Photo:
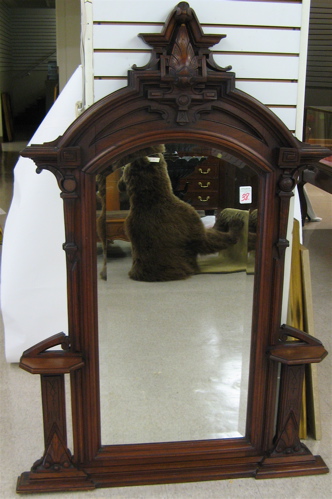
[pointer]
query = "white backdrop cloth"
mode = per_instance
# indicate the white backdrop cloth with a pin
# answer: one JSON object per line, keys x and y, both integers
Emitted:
{"x": 33, "y": 269}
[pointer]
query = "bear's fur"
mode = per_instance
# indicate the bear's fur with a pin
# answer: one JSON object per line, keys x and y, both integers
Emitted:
{"x": 166, "y": 233}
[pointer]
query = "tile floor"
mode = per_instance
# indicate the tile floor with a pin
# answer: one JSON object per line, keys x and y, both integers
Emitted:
{"x": 193, "y": 375}
{"x": 20, "y": 413}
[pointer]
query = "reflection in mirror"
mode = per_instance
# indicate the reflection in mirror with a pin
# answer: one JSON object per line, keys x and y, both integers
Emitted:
{"x": 174, "y": 356}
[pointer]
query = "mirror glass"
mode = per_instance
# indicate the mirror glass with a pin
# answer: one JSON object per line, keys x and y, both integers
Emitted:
{"x": 174, "y": 355}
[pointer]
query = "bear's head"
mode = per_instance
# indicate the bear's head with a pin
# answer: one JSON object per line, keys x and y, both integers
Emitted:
{"x": 146, "y": 179}
{"x": 130, "y": 158}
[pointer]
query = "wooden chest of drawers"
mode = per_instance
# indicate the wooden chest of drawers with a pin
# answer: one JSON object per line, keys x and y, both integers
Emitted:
{"x": 203, "y": 185}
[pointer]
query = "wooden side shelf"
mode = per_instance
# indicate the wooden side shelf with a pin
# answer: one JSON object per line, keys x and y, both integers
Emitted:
{"x": 56, "y": 469}
{"x": 289, "y": 456}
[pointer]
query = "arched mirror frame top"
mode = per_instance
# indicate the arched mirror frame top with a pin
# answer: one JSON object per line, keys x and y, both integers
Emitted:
{"x": 180, "y": 96}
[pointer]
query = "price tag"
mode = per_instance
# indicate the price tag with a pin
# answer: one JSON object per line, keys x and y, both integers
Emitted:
{"x": 154, "y": 159}
{"x": 245, "y": 194}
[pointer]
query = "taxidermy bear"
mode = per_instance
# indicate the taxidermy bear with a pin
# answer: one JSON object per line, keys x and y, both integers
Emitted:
{"x": 166, "y": 233}
{"x": 101, "y": 196}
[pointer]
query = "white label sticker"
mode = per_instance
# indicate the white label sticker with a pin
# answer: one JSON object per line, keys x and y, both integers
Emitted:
{"x": 245, "y": 194}
{"x": 154, "y": 160}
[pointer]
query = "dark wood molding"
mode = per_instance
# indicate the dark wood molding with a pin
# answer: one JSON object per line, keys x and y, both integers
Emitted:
{"x": 180, "y": 96}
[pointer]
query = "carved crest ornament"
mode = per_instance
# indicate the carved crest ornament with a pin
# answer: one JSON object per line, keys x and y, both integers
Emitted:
{"x": 183, "y": 70}
{"x": 181, "y": 95}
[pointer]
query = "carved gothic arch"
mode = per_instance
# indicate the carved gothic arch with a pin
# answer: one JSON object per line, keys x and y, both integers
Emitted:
{"x": 181, "y": 92}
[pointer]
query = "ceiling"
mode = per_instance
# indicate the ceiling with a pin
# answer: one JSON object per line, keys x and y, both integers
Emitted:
{"x": 33, "y": 4}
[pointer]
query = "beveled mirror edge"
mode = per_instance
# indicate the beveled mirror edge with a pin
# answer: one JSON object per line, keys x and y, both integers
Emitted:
{"x": 232, "y": 120}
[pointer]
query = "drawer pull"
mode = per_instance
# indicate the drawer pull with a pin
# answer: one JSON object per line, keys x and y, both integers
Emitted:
{"x": 204, "y": 186}
{"x": 204, "y": 173}
{"x": 203, "y": 200}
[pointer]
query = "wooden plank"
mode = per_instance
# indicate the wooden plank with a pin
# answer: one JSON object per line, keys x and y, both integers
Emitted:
{"x": 105, "y": 87}
{"x": 287, "y": 115}
{"x": 295, "y": 308}
{"x": 124, "y": 36}
{"x": 261, "y": 66}
{"x": 219, "y": 12}
{"x": 248, "y": 39}
{"x": 121, "y": 36}
{"x": 269, "y": 93}
{"x": 312, "y": 395}
{"x": 117, "y": 63}
{"x": 255, "y": 52}
{"x": 252, "y": 66}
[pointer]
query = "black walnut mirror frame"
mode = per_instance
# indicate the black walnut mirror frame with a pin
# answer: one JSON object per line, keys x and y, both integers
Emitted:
{"x": 180, "y": 96}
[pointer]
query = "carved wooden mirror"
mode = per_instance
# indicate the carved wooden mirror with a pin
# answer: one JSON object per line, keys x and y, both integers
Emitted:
{"x": 130, "y": 366}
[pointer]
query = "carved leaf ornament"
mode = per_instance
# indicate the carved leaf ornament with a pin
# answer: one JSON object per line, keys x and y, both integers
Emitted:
{"x": 183, "y": 64}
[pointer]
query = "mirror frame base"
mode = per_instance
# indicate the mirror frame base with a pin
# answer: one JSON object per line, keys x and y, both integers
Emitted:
{"x": 73, "y": 480}
{"x": 283, "y": 467}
